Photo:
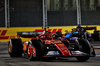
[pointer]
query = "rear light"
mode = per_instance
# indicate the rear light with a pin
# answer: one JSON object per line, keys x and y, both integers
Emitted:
{"x": 18, "y": 36}
{"x": 77, "y": 29}
{"x": 90, "y": 35}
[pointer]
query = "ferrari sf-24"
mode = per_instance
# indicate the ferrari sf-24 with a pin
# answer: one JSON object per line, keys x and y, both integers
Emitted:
{"x": 45, "y": 44}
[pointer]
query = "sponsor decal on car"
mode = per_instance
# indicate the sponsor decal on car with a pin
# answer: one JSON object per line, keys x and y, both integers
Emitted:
{"x": 53, "y": 53}
{"x": 57, "y": 42}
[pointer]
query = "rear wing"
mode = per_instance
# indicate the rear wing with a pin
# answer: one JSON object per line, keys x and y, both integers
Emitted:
{"x": 89, "y": 28}
{"x": 32, "y": 34}
{"x": 26, "y": 34}
{"x": 85, "y": 28}
{"x": 36, "y": 33}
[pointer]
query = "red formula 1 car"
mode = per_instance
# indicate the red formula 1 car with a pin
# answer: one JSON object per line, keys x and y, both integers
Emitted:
{"x": 45, "y": 44}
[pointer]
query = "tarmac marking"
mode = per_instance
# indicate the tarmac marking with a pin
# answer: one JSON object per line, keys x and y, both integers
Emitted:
{"x": 97, "y": 55}
{"x": 97, "y": 49}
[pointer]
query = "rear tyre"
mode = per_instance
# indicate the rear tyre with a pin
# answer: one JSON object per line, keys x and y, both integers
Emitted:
{"x": 35, "y": 49}
{"x": 96, "y": 35}
{"x": 84, "y": 46}
{"x": 15, "y": 48}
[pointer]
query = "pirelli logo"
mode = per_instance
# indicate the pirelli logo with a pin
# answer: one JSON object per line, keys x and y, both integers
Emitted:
{"x": 3, "y": 35}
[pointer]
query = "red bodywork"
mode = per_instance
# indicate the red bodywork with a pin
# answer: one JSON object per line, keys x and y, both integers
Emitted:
{"x": 48, "y": 38}
{"x": 58, "y": 43}
{"x": 63, "y": 49}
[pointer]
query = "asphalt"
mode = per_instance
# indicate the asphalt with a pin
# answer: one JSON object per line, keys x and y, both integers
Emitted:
{"x": 5, "y": 60}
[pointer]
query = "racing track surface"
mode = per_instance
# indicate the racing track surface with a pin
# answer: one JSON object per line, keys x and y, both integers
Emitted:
{"x": 5, "y": 60}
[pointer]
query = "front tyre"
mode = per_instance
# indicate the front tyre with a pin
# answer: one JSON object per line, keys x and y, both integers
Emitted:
{"x": 85, "y": 47}
{"x": 35, "y": 49}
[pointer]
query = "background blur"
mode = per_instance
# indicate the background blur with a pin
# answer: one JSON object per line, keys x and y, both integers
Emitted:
{"x": 29, "y": 13}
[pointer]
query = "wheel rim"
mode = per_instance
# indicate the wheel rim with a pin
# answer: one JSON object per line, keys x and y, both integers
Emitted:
{"x": 29, "y": 50}
{"x": 25, "y": 47}
{"x": 34, "y": 51}
{"x": 10, "y": 48}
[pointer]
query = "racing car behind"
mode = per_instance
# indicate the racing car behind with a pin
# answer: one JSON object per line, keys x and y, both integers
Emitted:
{"x": 81, "y": 32}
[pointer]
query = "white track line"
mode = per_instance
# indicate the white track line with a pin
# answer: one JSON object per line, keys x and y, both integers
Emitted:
{"x": 97, "y": 55}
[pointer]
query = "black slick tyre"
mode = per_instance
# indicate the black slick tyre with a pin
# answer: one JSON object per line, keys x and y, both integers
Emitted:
{"x": 84, "y": 46}
{"x": 15, "y": 48}
{"x": 35, "y": 49}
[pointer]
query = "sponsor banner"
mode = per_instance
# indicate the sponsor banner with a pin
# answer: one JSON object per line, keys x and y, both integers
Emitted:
{"x": 7, "y": 33}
